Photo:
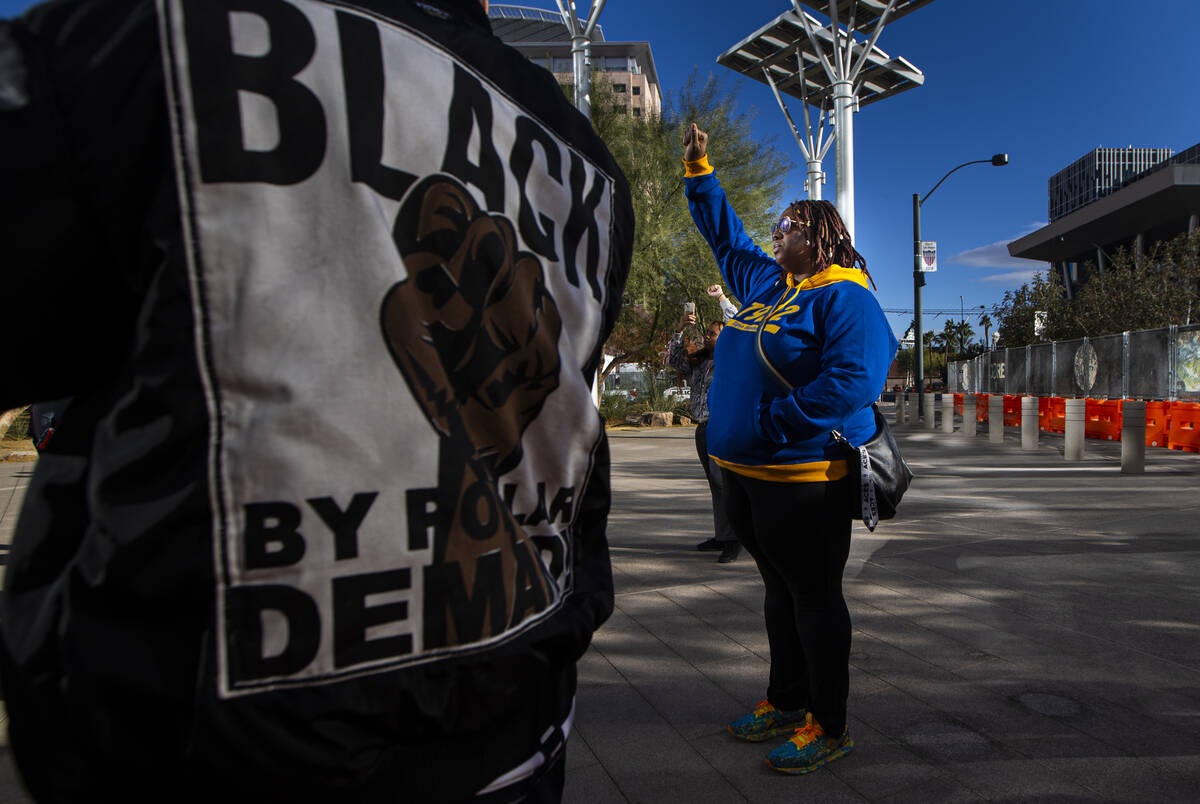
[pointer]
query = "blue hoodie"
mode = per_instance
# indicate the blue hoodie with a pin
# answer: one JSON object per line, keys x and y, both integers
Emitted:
{"x": 828, "y": 337}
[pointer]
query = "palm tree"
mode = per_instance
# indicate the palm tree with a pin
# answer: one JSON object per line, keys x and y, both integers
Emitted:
{"x": 986, "y": 322}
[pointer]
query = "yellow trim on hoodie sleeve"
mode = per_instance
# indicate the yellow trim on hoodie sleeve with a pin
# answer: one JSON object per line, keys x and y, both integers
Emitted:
{"x": 699, "y": 167}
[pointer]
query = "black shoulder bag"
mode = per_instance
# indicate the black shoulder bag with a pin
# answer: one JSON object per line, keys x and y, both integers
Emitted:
{"x": 878, "y": 474}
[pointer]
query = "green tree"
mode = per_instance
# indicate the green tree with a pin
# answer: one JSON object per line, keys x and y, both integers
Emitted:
{"x": 1158, "y": 290}
{"x": 940, "y": 342}
{"x": 671, "y": 262}
{"x": 957, "y": 336}
{"x": 1015, "y": 315}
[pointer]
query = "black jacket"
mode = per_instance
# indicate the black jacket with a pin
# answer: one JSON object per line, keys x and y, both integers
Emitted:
{"x": 327, "y": 284}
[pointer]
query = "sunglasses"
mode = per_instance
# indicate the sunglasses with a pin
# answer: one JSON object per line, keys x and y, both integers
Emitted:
{"x": 785, "y": 225}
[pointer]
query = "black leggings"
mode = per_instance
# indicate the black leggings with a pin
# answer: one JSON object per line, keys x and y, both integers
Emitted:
{"x": 799, "y": 534}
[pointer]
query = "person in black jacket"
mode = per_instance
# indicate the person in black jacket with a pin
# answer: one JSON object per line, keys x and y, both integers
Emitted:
{"x": 326, "y": 521}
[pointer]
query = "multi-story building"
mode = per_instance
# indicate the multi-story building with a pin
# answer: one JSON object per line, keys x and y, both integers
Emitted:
{"x": 1099, "y": 173}
{"x": 627, "y": 68}
{"x": 1114, "y": 197}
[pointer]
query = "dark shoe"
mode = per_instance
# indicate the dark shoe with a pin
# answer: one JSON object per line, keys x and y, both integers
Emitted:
{"x": 729, "y": 553}
{"x": 710, "y": 544}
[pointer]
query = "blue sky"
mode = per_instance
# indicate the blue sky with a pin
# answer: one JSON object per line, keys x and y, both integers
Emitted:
{"x": 1043, "y": 80}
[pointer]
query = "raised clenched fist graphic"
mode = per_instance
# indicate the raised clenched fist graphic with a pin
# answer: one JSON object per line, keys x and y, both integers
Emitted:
{"x": 475, "y": 334}
{"x": 472, "y": 329}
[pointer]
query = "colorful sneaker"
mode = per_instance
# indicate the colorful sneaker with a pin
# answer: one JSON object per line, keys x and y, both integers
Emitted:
{"x": 809, "y": 749}
{"x": 765, "y": 722}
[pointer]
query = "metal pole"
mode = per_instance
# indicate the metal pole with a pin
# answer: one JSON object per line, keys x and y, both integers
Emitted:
{"x": 918, "y": 276}
{"x": 583, "y": 74}
{"x": 581, "y": 52}
{"x": 918, "y": 281}
{"x": 813, "y": 150}
{"x": 1133, "y": 436}
{"x": 816, "y": 177}
{"x": 1073, "y": 430}
{"x": 843, "y": 121}
{"x": 1029, "y": 422}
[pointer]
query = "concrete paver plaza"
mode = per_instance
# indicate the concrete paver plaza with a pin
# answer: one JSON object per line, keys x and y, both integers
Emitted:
{"x": 1027, "y": 630}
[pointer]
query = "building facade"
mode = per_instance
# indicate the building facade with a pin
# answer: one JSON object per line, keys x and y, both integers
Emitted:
{"x": 1099, "y": 173}
{"x": 626, "y": 68}
{"x": 1114, "y": 198}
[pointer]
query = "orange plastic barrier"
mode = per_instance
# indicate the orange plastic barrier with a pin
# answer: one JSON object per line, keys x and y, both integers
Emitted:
{"x": 1102, "y": 419}
{"x": 1012, "y": 411}
{"x": 1054, "y": 417}
{"x": 1157, "y": 423}
{"x": 1184, "y": 432}
{"x": 958, "y": 404}
{"x": 981, "y": 407}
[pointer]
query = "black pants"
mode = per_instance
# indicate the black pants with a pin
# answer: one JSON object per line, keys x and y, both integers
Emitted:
{"x": 799, "y": 534}
{"x": 722, "y": 530}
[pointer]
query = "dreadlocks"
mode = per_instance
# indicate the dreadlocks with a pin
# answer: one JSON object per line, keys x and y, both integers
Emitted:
{"x": 828, "y": 235}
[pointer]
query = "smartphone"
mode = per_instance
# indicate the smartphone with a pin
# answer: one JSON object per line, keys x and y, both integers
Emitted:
{"x": 689, "y": 307}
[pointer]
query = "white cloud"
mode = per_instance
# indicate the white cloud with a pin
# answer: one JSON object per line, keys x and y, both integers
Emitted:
{"x": 1012, "y": 277}
{"x": 995, "y": 255}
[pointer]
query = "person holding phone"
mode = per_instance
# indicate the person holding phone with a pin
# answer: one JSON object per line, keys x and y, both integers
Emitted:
{"x": 807, "y": 353}
{"x": 697, "y": 367}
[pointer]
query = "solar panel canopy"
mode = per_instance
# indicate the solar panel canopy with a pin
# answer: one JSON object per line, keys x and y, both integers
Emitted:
{"x": 784, "y": 47}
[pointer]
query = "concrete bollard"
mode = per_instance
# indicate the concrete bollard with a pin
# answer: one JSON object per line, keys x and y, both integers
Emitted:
{"x": 1073, "y": 440}
{"x": 1133, "y": 437}
{"x": 900, "y": 403}
{"x": 911, "y": 412}
{"x": 947, "y": 413}
{"x": 970, "y": 424}
{"x": 930, "y": 411}
{"x": 1029, "y": 422}
{"x": 996, "y": 419}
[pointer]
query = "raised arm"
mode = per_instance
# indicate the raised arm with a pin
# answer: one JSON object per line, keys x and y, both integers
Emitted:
{"x": 676, "y": 352}
{"x": 728, "y": 309}
{"x": 742, "y": 263}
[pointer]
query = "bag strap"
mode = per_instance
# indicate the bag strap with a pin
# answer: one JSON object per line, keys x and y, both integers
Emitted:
{"x": 870, "y": 508}
{"x": 762, "y": 356}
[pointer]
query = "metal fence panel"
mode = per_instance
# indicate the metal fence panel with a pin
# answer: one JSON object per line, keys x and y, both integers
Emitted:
{"x": 1149, "y": 364}
{"x": 1015, "y": 371}
{"x": 992, "y": 381}
{"x": 1068, "y": 352}
{"x": 1041, "y": 368}
{"x": 1187, "y": 363}
{"x": 1107, "y": 380}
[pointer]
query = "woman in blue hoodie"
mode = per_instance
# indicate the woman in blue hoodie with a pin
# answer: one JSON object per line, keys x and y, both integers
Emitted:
{"x": 807, "y": 354}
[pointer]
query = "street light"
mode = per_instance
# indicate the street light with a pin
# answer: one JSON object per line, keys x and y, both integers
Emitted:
{"x": 919, "y": 275}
